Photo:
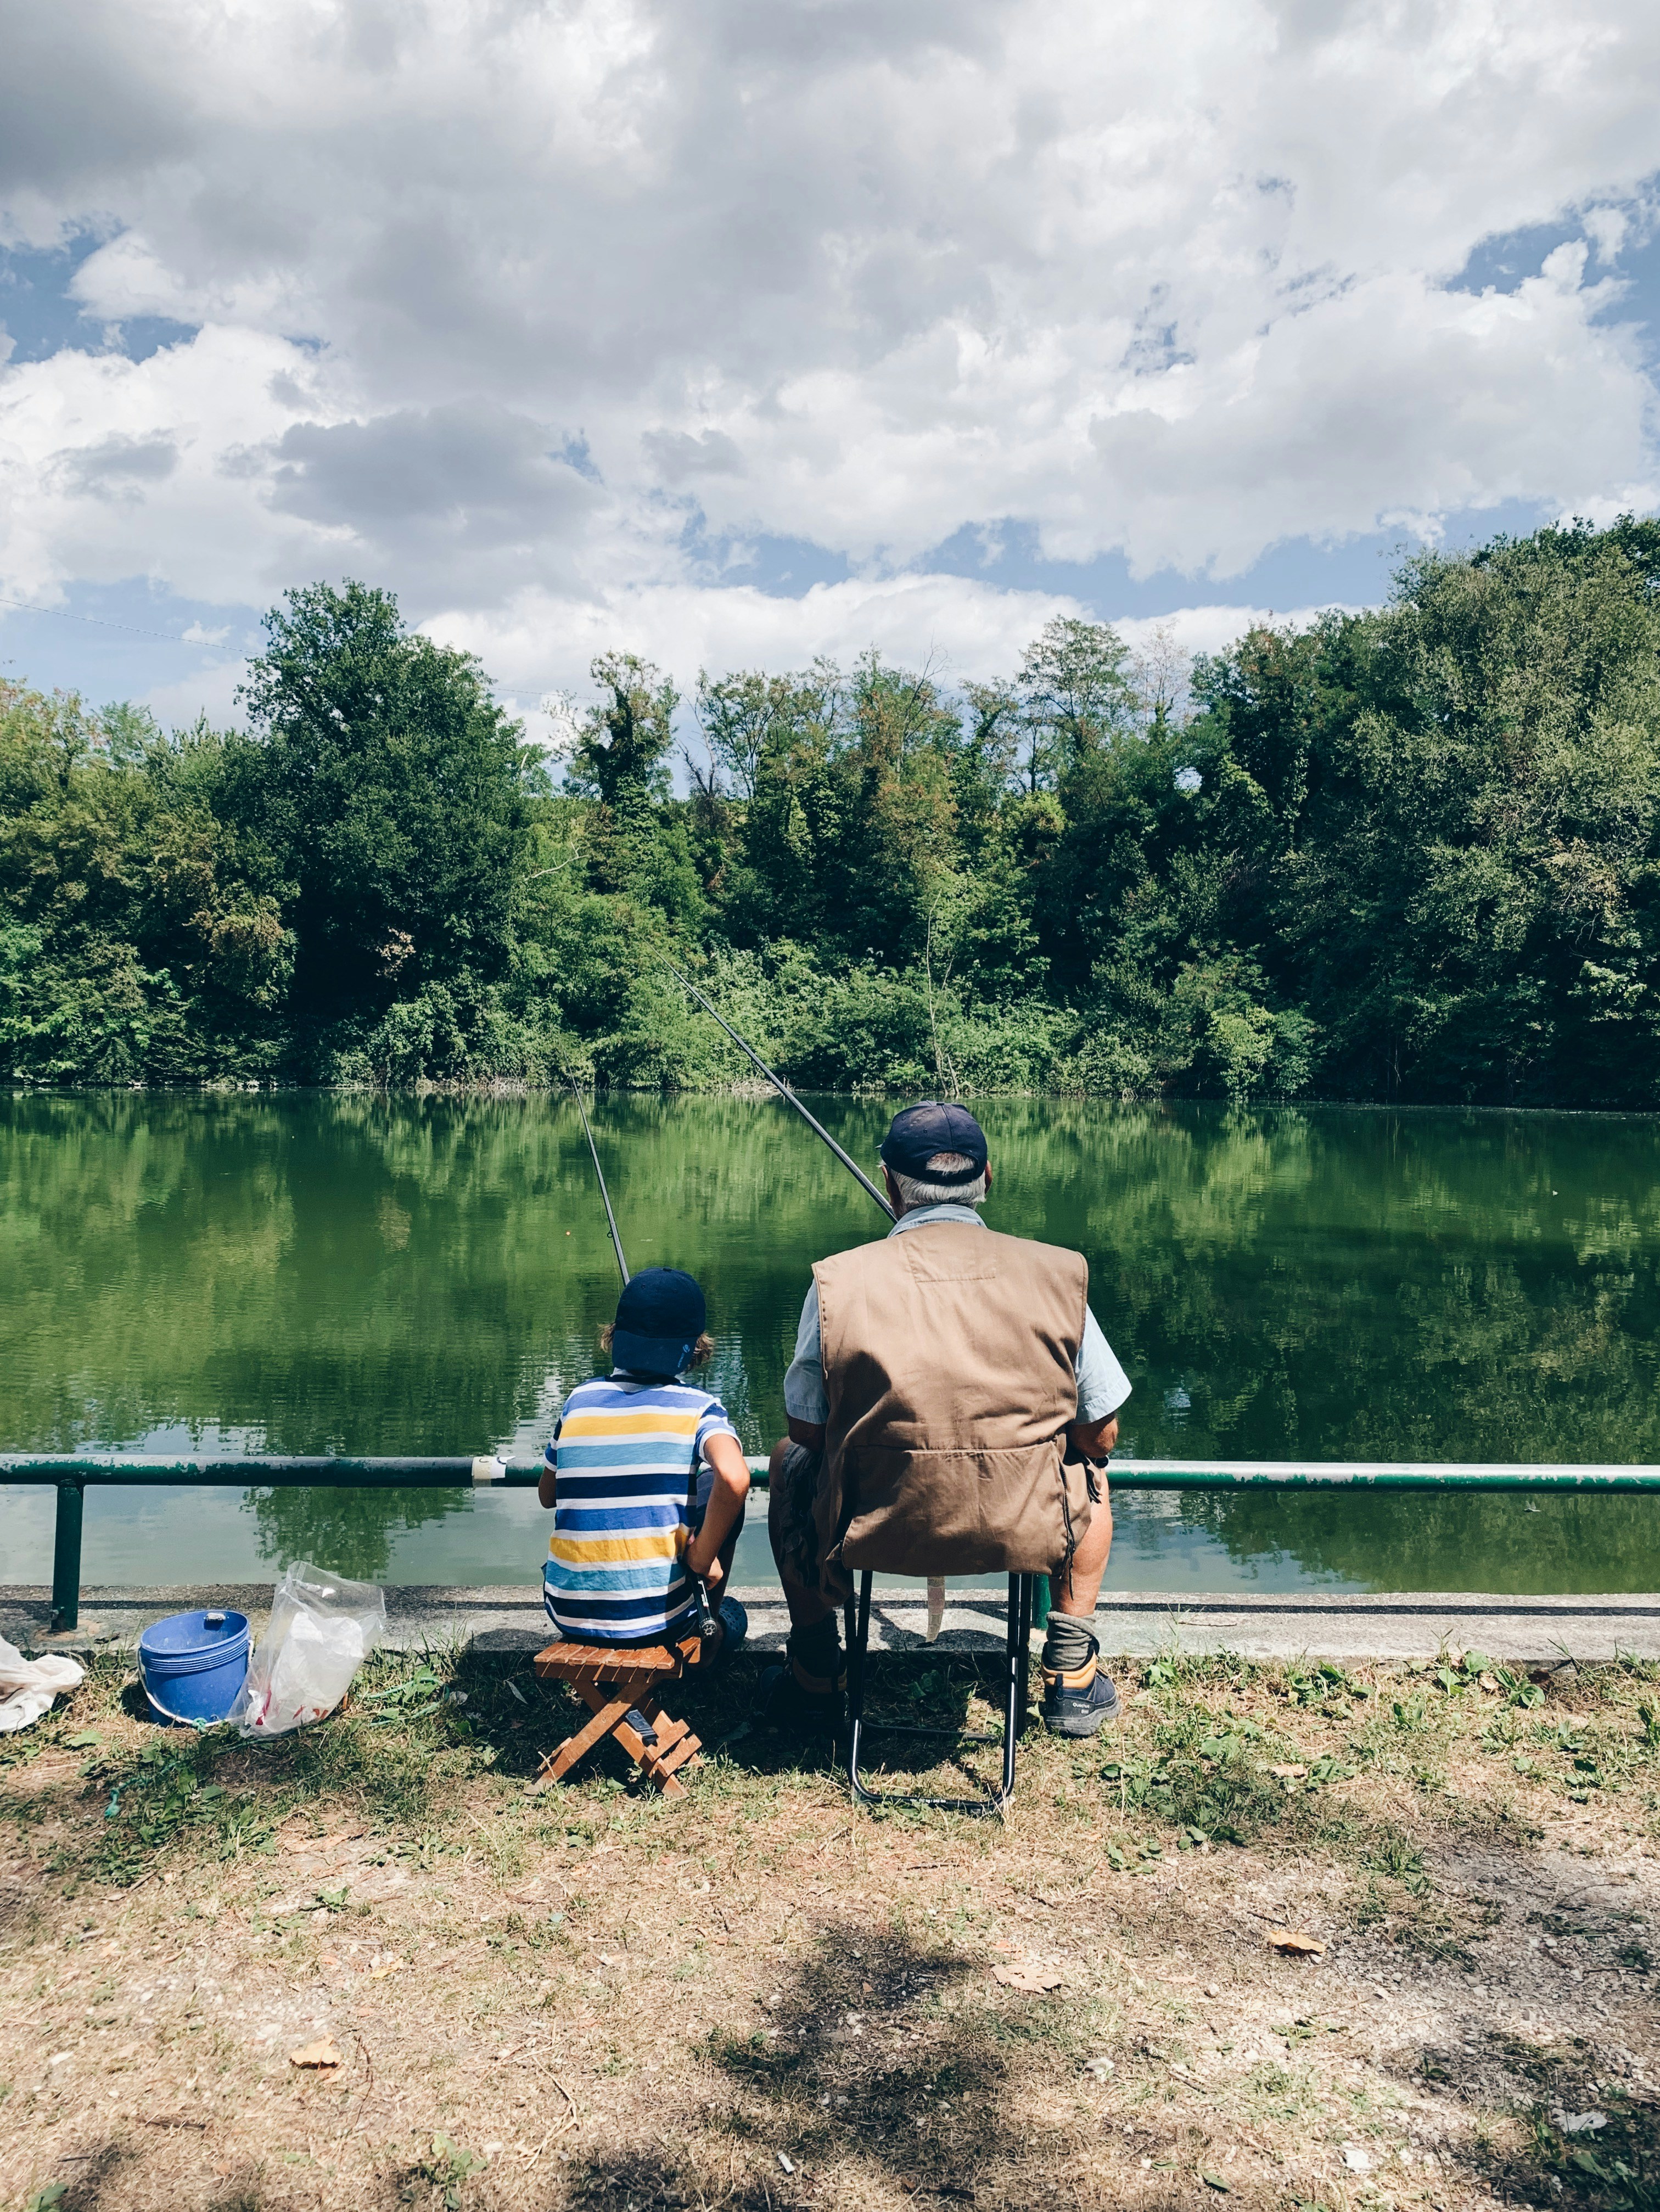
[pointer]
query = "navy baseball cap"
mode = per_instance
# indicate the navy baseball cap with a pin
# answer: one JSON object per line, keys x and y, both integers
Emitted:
{"x": 916, "y": 1135}
{"x": 660, "y": 1318}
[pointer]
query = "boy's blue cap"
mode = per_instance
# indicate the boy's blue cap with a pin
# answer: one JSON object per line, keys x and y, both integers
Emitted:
{"x": 660, "y": 1318}
{"x": 917, "y": 1133}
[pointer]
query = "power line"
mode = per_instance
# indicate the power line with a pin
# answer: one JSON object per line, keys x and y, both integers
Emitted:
{"x": 100, "y": 621}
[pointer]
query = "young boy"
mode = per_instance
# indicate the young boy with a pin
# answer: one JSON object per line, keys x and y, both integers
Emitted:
{"x": 647, "y": 1481}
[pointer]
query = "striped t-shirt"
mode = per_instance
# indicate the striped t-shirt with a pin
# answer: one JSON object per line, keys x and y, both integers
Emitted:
{"x": 624, "y": 1453}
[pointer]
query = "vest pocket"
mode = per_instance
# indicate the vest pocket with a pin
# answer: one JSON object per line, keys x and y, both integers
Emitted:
{"x": 959, "y": 1512}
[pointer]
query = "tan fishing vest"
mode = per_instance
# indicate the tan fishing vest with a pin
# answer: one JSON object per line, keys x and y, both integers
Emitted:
{"x": 951, "y": 1363}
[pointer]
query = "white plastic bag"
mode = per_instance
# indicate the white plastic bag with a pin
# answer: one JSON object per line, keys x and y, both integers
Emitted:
{"x": 28, "y": 1686}
{"x": 322, "y": 1629}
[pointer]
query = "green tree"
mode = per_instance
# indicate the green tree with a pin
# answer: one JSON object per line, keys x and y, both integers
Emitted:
{"x": 1469, "y": 905}
{"x": 398, "y": 792}
{"x": 1076, "y": 695}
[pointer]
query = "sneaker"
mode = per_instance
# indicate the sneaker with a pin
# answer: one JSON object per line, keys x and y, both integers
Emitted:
{"x": 734, "y": 1628}
{"x": 1079, "y": 1703}
{"x": 810, "y": 1704}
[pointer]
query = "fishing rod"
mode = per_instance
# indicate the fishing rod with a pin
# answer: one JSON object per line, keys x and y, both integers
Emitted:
{"x": 610, "y": 1218}
{"x": 708, "y": 1626}
{"x": 783, "y": 1091}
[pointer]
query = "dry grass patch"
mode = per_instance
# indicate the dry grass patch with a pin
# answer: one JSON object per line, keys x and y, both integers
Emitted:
{"x": 758, "y": 1997}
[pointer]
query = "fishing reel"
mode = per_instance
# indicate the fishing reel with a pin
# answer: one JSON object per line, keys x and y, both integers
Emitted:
{"x": 708, "y": 1627}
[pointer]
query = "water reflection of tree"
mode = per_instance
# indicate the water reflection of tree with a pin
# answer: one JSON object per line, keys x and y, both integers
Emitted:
{"x": 1506, "y": 1543}
{"x": 350, "y": 1531}
{"x": 426, "y": 1275}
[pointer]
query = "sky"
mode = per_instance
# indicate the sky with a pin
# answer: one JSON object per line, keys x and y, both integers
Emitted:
{"x": 737, "y": 334}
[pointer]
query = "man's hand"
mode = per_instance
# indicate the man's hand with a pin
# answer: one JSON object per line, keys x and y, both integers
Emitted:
{"x": 810, "y": 1435}
{"x": 1093, "y": 1440}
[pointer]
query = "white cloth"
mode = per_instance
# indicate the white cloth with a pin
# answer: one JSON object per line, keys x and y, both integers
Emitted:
{"x": 28, "y": 1686}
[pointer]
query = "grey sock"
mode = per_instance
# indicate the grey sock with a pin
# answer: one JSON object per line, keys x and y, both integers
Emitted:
{"x": 1068, "y": 1644}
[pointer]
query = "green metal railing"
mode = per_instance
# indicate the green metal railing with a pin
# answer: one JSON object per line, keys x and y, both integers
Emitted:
{"x": 71, "y": 1477}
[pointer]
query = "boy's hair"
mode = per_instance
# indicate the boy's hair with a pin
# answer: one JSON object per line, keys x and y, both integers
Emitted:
{"x": 702, "y": 1350}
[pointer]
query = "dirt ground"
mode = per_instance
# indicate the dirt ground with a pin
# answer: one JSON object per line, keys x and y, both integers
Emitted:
{"x": 756, "y": 1997}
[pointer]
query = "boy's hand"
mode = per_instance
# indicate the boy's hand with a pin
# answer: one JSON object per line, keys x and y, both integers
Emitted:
{"x": 713, "y": 1577}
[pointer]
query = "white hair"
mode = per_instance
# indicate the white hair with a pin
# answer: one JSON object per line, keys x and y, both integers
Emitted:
{"x": 914, "y": 1191}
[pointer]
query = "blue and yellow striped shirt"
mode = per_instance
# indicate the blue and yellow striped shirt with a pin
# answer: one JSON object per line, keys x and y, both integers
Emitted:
{"x": 625, "y": 1455}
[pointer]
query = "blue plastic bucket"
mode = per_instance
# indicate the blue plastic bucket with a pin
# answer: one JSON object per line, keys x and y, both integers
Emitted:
{"x": 194, "y": 1664}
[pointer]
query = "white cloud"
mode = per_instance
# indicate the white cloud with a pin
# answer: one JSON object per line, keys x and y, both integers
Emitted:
{"x": 518, "y": 310}
{"x": 210, "y": 691}
{"x": 962, "y": 631}
{"x": 959, "y": 628}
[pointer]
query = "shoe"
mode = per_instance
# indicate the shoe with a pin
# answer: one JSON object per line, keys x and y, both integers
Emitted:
{"x": 1079, "y": 1703}
{"x": 810, "y": 1704}
{"x": 734, "y": 1628}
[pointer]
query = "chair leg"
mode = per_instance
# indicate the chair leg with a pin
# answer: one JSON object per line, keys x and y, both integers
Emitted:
{"x": 1016, "y": 1647}
{"x": 858, "y": 1633}
{"x": 1013, "y": 1681}
{"x": 607, "y": 1714}
{"x": 675, "y": 1748}
{"x": 1029, "y": 1591}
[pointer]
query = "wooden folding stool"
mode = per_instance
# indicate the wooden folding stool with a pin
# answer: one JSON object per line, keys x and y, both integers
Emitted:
{"x": 610, "y": 1681}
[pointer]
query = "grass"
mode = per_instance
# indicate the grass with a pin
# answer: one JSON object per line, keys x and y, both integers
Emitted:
{"x": 758, "y": 1997}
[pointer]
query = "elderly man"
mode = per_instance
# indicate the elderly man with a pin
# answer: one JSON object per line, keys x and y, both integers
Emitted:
{"x": 951, "y": 1404}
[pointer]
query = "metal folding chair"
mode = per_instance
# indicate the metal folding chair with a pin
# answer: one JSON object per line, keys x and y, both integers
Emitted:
{"x": 1016, "y": 1679}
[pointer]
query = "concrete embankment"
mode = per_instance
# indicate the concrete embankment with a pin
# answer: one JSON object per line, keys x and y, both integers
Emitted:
{"x": 1415, "y": 1624}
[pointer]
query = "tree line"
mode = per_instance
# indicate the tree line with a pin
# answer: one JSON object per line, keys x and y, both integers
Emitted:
{"x": 1409, "y": 853}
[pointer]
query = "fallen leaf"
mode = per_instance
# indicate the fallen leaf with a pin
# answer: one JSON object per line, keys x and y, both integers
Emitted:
{"x": 396, "y": 1967}
{"x": 1214, "y": 2181}
{"x": 1295, "y": 1943}
{"x": 323, "y": 2052}
{"x": 1583, "y": 2124}
{"x": 329, "y": 1960}
{"x": 1034, "y": 1979}
{"x": 1288, "y": 1773}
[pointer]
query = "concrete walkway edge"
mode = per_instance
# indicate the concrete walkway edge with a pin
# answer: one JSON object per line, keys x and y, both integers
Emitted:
{"x": 1339, "y": 1625}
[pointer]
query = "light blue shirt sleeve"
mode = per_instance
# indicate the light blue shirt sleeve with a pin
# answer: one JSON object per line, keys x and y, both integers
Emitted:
{"x": 804, "y": 1382}
{"x": 1102, "y": 1385}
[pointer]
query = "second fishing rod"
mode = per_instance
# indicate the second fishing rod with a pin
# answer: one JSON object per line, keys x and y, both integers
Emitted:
{"x": 784, "y": 1091}
{"x": 708, "y": 1626}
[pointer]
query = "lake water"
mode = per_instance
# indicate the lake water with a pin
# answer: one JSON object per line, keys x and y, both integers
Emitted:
{"x": 306, "y": 1274}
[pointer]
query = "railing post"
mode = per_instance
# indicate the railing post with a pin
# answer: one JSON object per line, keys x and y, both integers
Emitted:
{"x": 66, "y": 1559}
